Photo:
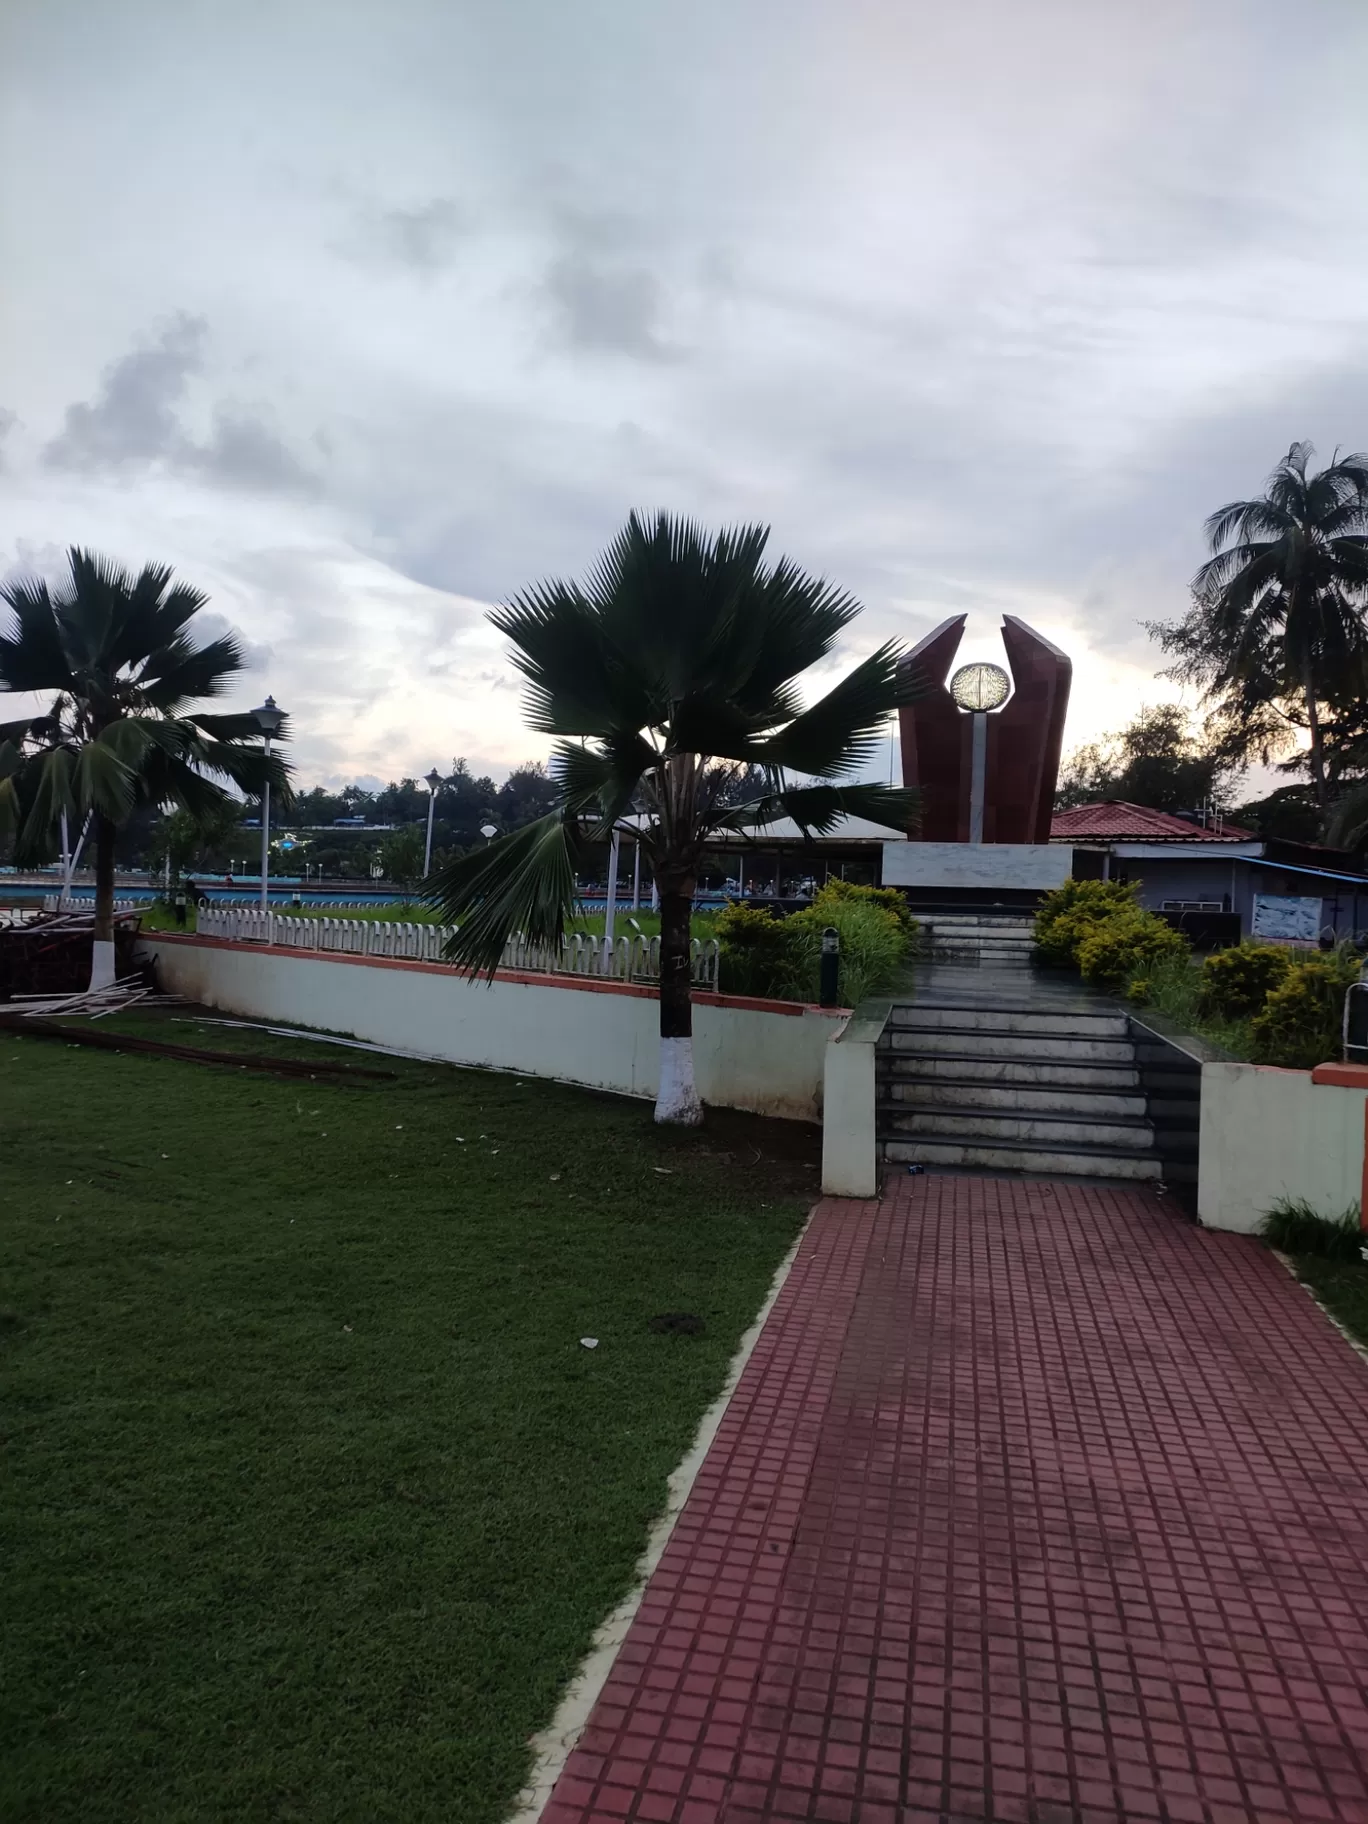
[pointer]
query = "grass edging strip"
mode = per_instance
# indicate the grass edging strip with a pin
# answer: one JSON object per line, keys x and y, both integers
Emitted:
{"x": 551, "y": 1747}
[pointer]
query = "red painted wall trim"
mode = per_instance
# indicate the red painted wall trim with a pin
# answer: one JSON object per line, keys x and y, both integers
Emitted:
{"x": 583, "y": 984}
{"x": 1343, "y": 1076}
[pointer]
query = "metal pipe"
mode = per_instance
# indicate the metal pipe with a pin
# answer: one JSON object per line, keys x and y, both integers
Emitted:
{"x": 978, "y": 773}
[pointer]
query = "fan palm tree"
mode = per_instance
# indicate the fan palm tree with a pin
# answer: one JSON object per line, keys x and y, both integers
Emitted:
{"x": 667, "y": 674}
{"x": 1280, "y": 603}
{"x": 113, "y": 654}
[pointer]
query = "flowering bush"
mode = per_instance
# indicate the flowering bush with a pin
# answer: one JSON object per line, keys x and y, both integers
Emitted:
{"x": 1067, "y": 915}
{"x": 1236, "y": 982}
{"x": 1115, "y": 950}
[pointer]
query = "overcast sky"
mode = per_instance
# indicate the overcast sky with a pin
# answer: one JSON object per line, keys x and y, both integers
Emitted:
{"x": 365, "y": 314}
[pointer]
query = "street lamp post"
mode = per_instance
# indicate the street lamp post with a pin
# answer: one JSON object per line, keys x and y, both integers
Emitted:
{"x": 268, "y": 719}
{"x": 434, "y": 785}
{"x": 610, "y": 906}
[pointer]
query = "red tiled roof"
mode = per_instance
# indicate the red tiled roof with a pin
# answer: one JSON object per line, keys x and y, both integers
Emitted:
{"x": 1117, "y": 821}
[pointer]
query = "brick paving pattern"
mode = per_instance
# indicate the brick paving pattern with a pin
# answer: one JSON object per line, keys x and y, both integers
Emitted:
{"x": 1034, "y": 1505}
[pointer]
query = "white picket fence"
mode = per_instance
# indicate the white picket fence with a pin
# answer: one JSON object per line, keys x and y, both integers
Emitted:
{"x": 85, "y": 902}
{"x": 634, "y": 958}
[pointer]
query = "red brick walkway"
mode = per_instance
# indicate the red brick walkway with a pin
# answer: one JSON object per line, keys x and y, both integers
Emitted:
{"x": 1034, "y": 1504}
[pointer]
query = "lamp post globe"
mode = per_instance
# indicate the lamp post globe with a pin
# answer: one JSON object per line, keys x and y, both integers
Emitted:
{"x": 268, "y": 719}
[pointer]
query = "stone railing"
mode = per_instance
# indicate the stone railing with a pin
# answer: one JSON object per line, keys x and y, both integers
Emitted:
{"x": 628, "y": 959}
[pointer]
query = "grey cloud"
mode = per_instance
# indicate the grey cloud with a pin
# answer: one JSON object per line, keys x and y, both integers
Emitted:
{"x": 134, "y": 417}
{"x": 134, "y": 422}
{"x": 611, "y": 310}
{"x": 8, "y": 420}
{"x": 242, "y": 452}
{"x": 210, "y": 625}
{"x": 423, "y": 238}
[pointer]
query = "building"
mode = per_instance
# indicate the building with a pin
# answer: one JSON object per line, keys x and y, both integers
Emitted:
{"x": 1192, "y": 872}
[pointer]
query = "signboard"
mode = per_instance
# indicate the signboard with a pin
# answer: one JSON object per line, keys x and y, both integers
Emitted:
{"x": 1286, "y": 921}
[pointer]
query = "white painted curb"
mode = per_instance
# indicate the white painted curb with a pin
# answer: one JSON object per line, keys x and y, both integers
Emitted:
{"x": 551, "y": 1748}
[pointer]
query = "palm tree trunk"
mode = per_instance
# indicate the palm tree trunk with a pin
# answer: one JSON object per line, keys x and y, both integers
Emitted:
{"x": 102, "y": 968}
{"x": 677, "y": 1101}
{"x": 1317, "y": 750}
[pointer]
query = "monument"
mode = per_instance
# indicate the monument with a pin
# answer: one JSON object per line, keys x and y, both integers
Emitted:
{"x": 982, "y": 747}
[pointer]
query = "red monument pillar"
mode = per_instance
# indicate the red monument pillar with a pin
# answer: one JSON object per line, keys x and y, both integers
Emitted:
{"x": 1004, "y": 791}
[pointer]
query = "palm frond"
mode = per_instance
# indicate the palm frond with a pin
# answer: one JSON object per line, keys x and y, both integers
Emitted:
{"x": 522, "y": 883}
{"x": 180, "y": 672}
{"x": 250, "y": 769}
{"x": 105, "y": 781}
{"x": 817, "y": 809}
{"x": 665, "y": 595}
{"x": 42, "y": 788}
{"x": 603, "y": 778}
{"x": 90, "y": 608}
{"x": 845, "y": 728}
{"x": 242, "y": 725}
{"x": 1251, "y": 520}
{"x": 32, "y": 656}
{"x": 575, "y": 683}
{"x": 789, "y": 622}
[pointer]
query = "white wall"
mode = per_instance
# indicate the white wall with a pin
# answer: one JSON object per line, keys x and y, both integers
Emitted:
{"x": 850, "y": 1150}
{"x": 604, "y": 1035}
{"x": 1274, "y": 1133}
{"x": 1016, "y": 865}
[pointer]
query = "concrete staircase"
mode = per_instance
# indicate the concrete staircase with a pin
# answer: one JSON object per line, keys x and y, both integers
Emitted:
{"x": 978, "y": 940}
{"x": 995, "y": 1069}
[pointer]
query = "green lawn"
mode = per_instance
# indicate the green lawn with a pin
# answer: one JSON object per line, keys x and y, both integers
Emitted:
{"x": 312, "y": 1497}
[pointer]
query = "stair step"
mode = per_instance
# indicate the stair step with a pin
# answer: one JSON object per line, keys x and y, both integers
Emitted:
{"x": 978, "y": 1042}
{"x": 974, "y": 1122}
{"x": 959, "y": 1095}
{"x": 971, "y": 1068}
{"x": 1001, "y": 1156}
{"x": 923, "y": 1015}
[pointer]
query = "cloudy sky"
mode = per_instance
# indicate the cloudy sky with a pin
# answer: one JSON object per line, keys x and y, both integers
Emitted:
{"x": 366, "y": 313}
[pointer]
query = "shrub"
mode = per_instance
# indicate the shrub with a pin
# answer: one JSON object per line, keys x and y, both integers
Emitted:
{"x": 1236, "y": 982}
{"x": 1068, "y": 914}
{"x": 1296, "y": 1228}
{"x": 754, "y": 950}
{"x": 889, "y": 899}
{"x": 1115, "y": 950}
{"x": 873, "y": 947}
{"x": 780, "y": 958}
{"x": 1300, "y": 1024}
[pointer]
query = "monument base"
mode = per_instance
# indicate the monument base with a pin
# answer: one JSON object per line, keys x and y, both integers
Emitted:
{"x": 976, "y": 867}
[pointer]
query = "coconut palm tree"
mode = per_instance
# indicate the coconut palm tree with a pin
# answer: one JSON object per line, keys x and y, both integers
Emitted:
{"x": 665, "y": 675}
{"x": 113, "y": 656}
{"x": 1279, "y": 607}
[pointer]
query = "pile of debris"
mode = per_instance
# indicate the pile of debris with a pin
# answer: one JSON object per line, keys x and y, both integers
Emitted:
{"x": 51, "y": 955}
{"x": 94, "y": 1002}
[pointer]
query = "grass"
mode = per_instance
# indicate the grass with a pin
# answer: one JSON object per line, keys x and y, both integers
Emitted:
{"x": 1293, "y": 1226}
{"x": 313, "y": 1497}
{"x": 1326, "y": 1253}
{"x": 1173, "y": 988}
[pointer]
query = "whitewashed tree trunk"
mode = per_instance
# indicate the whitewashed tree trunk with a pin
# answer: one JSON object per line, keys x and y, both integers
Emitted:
{"x": 101, "y": 963}
{"x": 677, "y": 1102}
